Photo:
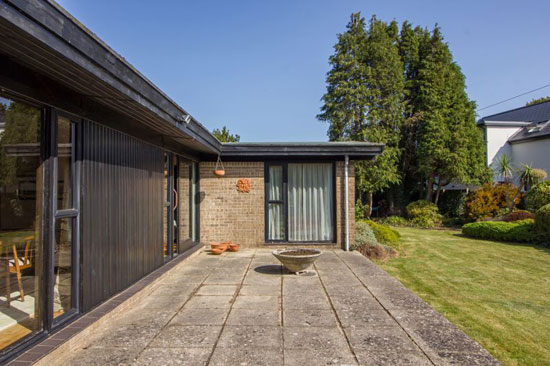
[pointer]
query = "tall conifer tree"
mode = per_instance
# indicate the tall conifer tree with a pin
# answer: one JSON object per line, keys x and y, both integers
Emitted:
{"x": 364, "y": 98}
{"x": 402, "y": 88}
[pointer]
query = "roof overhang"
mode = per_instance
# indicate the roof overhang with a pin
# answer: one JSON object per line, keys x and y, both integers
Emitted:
{"x": 503, "y": 123}
{"x": 354, "y": 150}
{"x": 43, "y": 37}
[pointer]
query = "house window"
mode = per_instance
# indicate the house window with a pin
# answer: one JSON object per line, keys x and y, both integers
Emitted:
{"x": 300, "y": 202}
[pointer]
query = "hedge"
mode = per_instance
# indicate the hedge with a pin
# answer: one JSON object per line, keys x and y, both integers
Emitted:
{"x": 542, "y": 223}
{"x": 538, "y": 196}
{"x": 517, "y": 231}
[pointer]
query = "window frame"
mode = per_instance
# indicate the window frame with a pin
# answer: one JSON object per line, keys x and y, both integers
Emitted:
{"x": 284, "y": 201}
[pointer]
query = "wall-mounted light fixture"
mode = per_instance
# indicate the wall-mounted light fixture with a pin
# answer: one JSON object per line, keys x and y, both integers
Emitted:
{"x": 185, "y": 118}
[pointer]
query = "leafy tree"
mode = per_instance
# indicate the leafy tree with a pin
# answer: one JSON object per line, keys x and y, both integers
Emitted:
{"x": 224, "y": 136}
{"x": 364, "y": 98}
{"x": 22, "y": 125}
{"x": 537, "y": 101}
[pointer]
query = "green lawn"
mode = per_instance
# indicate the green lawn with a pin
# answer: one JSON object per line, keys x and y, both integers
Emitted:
{"x": 498, "y": 293}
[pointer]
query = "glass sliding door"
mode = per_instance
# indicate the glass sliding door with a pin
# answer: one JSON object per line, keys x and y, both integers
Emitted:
{"x": 175, "y": 206}
{"x": 65, "y": 260}
{"x": 166, "y": 207}
{"x": 275, "y": 204}
{"x": 194, "y": 202}
{"x": 188, "y": 203}
{"x": 310, "y": 202}
{"x": 300, "y": 202}
{"x": 21, "y": 186}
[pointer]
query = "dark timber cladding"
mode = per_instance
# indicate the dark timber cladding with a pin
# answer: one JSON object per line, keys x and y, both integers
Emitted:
{"x": 122, "y": 197}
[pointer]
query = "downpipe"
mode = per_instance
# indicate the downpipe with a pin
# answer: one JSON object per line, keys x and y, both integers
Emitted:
{"x": 346, "y": 202}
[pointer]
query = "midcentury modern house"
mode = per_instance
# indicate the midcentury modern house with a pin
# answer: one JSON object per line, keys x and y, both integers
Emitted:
{"x": 522, "y": 133}
{"x": 104, "y": 179}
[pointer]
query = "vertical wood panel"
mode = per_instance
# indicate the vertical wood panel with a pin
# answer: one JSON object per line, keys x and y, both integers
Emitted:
{"x": 121, "y": 212}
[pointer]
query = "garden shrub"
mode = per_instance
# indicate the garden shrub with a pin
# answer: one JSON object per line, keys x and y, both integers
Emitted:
{"x": 424, "y": 214}
{"x": 452, "y": 203}
{"x": 395, "y": 221}
{"x": 385, "y": 235}
{"x": 363, "y": 235}
{"x": 518, "y": 215}
{"x": 452, "y": 222}
{"x": 542, "y": 223}
{"x": 538, "y": 196}
{"x": 489, "y": 200}
{"x": 378, "y": 251}
{"x": 367, "y": 243}
{"x": 518, "y": 231}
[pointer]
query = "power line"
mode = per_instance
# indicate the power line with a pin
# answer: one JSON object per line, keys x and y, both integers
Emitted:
{"x": 517, "y": 96}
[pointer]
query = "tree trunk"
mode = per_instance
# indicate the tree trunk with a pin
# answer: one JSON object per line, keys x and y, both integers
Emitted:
{"x": 508, "y": 197}
{"x": 369, "y": 210}
{"x": 439, "y": 185}
{"x": 430, "y": 188}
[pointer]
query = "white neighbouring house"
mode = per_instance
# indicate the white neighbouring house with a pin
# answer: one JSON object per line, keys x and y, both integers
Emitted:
{"x": 522, "y": 133}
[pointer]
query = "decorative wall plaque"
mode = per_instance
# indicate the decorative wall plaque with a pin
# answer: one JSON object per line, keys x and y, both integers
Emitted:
{"x": 243, "y": 185}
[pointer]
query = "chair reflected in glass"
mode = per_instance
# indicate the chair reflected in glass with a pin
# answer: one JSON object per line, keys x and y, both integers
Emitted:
{"x": 17, "y": 256}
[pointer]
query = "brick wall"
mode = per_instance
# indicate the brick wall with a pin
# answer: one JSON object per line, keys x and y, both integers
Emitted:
{"x": 227, "y": 214}
{"x": 340, "y": 198}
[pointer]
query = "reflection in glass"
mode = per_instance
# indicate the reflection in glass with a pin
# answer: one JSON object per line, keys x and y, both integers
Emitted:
{"x": 64, "y": 173}
{"x": 194, "y": 198}
{"x": 165, "y": 207}
{"x": 63, "y": 264}
{"x": 175, "y": 208}
{"x": 20, "y": 217}
{"x": 276, "y": 221}
{"x": 276, "y": 215}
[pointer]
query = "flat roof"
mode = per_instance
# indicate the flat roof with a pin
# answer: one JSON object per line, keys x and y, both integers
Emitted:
{"x": 354, "y": 149}
{"x": 45, "y": 38}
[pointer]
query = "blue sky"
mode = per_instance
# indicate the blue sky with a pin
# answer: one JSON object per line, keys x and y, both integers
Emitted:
{"x": 259, "y": 66}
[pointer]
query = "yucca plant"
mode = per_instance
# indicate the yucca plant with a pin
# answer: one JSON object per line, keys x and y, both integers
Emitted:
{"x": 505, "y": 169}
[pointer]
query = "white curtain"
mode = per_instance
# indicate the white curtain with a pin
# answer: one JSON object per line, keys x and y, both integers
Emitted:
{"x": 310, "y": 202}
{"x": 276, "y": 211}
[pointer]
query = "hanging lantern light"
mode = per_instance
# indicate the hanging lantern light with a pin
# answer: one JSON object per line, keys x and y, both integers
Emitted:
{"x": 219, "y": 171}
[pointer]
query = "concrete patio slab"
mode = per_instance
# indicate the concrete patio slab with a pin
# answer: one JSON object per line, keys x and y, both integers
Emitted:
{"x": 259, "y": 290}
{"x": 309, "y": 318}
{"x": 210, "y": 302}
{"x": 193, "y": 316}
{"x": 257, "y": 302}
{"x": 247, "y": 356}
{"x": 185, "y": 336}
{"x": 246, "y": 310}
{"x": 267, "y": 317}
{"x": 305, "y": 357}
{"x": 258, "y": 336}
{"x": 173, "y": 357}
{"x": 217, "y": 290}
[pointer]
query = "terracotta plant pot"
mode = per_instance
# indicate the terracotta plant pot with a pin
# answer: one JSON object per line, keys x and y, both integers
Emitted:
{"x": 222, "y": 246}
{"x": 215, "y": 245}
{"x": 217, "y": 251}
{"x": 219, "y": 172}
{"x": 234, "y": 247}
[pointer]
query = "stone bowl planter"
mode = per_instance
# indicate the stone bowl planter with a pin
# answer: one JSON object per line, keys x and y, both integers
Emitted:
{"x": 297, "y": 260}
